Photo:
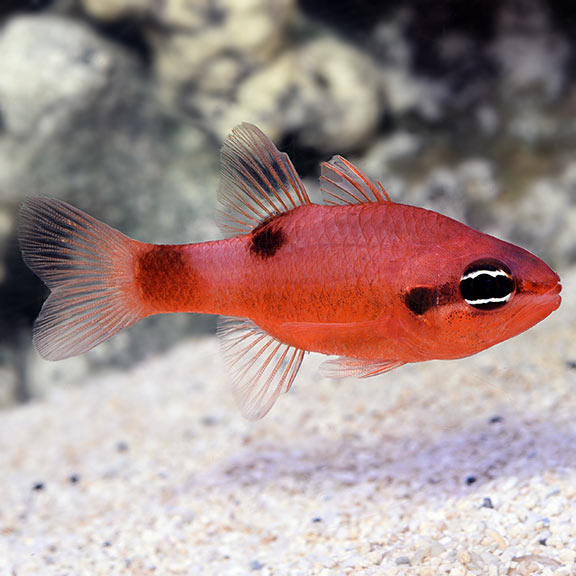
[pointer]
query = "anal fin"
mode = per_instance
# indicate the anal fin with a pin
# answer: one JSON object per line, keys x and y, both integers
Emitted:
{"x": 344, "y": 367}
{"x": 261, "y": 367}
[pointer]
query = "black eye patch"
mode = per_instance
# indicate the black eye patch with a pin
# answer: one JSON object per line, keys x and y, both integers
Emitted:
{"x": 420, "y": 299}
{"x": 487, "y": 286}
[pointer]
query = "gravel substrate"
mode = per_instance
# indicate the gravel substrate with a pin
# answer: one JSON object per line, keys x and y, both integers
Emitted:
{"x": 460, "y": 468}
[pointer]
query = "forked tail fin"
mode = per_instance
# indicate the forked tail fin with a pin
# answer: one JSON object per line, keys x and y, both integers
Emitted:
{"x": 89, "y": 268}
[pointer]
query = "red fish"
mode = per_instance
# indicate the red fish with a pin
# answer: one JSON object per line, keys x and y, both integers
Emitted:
{"x": 376, "y": 283}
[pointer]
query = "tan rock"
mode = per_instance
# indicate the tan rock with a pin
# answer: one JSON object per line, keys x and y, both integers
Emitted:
{"x": 220, "y": 39}
{"x": 114, "y": 9}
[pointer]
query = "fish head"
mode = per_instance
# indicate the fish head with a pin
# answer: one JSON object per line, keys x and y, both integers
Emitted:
{"x": 489, "y": 292}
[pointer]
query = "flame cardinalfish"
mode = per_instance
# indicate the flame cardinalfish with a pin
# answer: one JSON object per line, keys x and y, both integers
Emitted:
{"x": 376, "y": 283}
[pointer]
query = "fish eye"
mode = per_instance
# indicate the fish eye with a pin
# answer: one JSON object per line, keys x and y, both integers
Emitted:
{"x": 487, "y": 285}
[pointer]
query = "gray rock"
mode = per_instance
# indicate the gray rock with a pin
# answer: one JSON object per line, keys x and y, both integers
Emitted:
{"x": 325, "y": 92}
{"x": 80, "y": 123}
{"x": 226, "y": 62}
{"x": 440, "y": 192}
{"x": 99, "y": 138}
{"x": 51, "y": 69}
{"x": 529, "y": 50}
{"x": 545, "y": 219}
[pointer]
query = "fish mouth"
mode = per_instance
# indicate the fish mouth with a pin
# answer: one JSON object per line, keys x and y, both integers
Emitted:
{"x": 556, "y": 289}
{"x": 551, "y": 298}
{"x": 552, "y": 295}
{"x": 546, "y": 290}
{"x": 547, "y": 302}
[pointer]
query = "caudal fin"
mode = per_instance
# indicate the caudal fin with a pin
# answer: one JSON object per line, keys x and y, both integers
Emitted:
{"x": 89, "y": 268}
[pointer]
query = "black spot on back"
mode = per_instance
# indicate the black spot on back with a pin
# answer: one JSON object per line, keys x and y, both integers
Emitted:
{"x": 420, "y": 299}
{"x": 267, "y": 239}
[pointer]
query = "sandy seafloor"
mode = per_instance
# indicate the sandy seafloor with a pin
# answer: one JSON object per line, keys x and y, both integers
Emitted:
{"x": 462, "y": 467}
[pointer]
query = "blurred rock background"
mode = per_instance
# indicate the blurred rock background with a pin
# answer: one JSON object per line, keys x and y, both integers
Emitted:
{"x": 120, "y": 106}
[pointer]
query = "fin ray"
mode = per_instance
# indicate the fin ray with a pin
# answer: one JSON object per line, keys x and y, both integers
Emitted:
{"x": 342, "y": 183}
{"x": 258, "y": 181}
{"x": 344, "y": 367}
{"x": 261, "y": 367}
{"x": 88, "y": 267}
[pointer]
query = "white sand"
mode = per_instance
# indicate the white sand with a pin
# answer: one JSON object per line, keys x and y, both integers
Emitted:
{"x": 155, "y": 472}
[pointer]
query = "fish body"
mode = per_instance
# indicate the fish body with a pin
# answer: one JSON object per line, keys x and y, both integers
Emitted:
{"x": 374, "y": 282}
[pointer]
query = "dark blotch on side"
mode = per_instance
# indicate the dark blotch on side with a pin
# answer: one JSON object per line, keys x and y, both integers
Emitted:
{"x": 420, "y": 299}
{"x": 166, "y": 282}
{"x": 267, "y": 238}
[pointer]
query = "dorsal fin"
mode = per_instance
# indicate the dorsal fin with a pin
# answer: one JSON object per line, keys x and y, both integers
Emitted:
{"x": 257, "y": 181}
{"x": 342, "y": 183}
{"x": 260, "y": 366}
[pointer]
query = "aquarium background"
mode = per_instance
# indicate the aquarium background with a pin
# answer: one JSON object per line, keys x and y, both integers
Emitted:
{"x": 120, "y": 107}
{"x": 133, "y": 459}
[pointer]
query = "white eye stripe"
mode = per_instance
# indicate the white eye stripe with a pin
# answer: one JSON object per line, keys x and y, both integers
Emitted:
{"x": 493, "y": 273}
{"x": 482, "y": 301}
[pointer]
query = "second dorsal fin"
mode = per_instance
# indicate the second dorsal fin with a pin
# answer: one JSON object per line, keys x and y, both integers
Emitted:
{"x": 257, "y": 181}
{"x": 342, "y": 183}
